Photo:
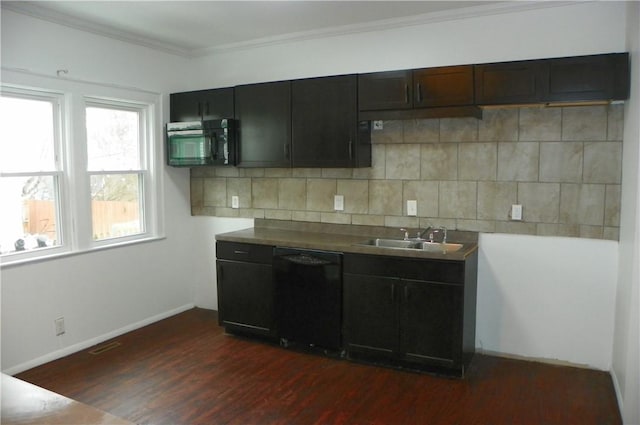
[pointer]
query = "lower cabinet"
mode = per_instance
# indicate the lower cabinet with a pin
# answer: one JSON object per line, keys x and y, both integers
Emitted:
{"x": 410, "y": 312}
{"x": 246, "y": 290}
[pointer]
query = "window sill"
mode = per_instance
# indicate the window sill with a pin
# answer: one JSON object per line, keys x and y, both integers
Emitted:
{"x": 6, "y": 262}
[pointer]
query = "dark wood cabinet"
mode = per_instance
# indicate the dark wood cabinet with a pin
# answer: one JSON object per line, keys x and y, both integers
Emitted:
{"x": 416, "y": 312}
{"x": 443, "y": 86}
{"x": 325, "y": 127}
{"x": 431, "y": 325}
{"x": 370, "y": 317}
{"x": 246, "y": 290}
{"x": 585, "y": 78}
{"x": 263, "y": 112}
{"x": 571, "y": 79}
{"x": 507, "y": 83}
{"x": 420, "y": 93}
{"x": 391, "y": 90}
{"x": 202, "y": 105}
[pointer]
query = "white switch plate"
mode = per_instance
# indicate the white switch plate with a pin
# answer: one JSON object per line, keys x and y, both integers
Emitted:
{"x": 338, "y": 202}
{"x": 516, "y": 212}
{"x": 378, "y": 125}
{"x": 412, "y": 207}
{"x": 59, "y": 326}
{"x": 235, "y": 202}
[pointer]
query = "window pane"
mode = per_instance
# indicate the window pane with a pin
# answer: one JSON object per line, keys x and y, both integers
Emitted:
{"x": 115, "y": 205}
{"x": 112, "y": 139}
{"x": 28, "y": 217}
{"x": 26, "y": 135}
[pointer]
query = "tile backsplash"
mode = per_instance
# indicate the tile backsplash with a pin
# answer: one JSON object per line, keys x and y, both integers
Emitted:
{"x": 562, "y": 164}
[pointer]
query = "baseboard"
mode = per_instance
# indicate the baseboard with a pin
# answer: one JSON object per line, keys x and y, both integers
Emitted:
{"x": 93, "y": 341}
{"x": 555, "y": 362}
{"x": 616, "y": 388}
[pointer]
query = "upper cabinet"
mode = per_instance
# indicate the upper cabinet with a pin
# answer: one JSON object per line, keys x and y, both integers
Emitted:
{"x": 264, "y": 115}
{"x": 508, "y": 83}
{"x": 324, "y": 123}
{"x": 444, "y": 86}
{"x": 420, "y": 93}
{"x": 586, "y": 78}
{"x": 202, "y": 105}
{"x": 571, "y": 79}
{"x": 385, "y": 91}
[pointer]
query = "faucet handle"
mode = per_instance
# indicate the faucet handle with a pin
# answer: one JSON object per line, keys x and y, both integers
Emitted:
{"x": 406, "y": 233}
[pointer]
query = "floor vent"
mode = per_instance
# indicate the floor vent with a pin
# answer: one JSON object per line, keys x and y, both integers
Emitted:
{"x": 105, "y": 348}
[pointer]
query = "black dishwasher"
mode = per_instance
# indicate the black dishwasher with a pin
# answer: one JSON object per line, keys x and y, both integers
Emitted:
{"x": 308, "y": 296}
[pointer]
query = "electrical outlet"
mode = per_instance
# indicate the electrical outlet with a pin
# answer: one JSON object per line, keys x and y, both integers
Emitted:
{"x": 235, "y": 202}
{"x": 338, "y": 202}
{"x": 412, "y": 207}
{"x": 516, "y": 212}
{"x": 59, "y": 326}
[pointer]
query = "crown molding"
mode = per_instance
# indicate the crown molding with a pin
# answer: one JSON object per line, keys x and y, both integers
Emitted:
{"x": 45, "y": 14}
{"x": 36, "y": 11}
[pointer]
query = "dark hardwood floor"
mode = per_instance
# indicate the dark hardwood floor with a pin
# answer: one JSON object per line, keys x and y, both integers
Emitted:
{"x": 185, "y": 370}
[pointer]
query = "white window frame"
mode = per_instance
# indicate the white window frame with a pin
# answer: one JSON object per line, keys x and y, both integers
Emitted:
{"x": 73, "y": 96}
{"x": 144, "y": 182}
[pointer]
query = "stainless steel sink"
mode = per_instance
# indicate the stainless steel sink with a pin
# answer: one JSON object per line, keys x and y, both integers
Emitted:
{"x": 392, "y": 243}
{"x": 444, "y": 248}
{"x": 410, "y": 244}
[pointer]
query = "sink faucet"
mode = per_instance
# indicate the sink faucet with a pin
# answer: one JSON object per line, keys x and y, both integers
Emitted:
{"x": 444, "y": 233}
{"x": 428, "y": 229}
{"x": 431, "y": 230}
{"x": 406, "y": 233}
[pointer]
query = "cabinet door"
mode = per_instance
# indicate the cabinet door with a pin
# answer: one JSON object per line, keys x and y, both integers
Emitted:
{"x": 264, "y": 115}
{"x": 385, "y": 91}
{"x": 324, "y": 122}
{"x": 584, "y": 78}
{"x": 201, "y": 105}
{"x": 370, "y": 317}
{"x": 246, "y": 297}
{"x": 443, "y": 86}
{"x": 431, "y": 328}
{"x": 509, "y": 82}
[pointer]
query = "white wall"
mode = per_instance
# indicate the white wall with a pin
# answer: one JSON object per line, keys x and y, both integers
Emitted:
{"x": 547, "y": 297}
{"x": 626, "y": 357}
{"x": 550, "y": 32}
{"x": 103, "y": 293}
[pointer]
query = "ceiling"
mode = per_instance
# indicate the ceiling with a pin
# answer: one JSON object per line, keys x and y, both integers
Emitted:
{"x": 197, "y": 28}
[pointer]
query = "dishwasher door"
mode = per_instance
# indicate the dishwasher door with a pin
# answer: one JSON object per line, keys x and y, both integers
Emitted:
{"x": 308, "y": 296}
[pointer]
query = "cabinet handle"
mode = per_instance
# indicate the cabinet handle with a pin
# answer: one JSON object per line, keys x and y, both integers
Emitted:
{"x": 419, "y": 92}
{"x": 286, "y": 151}
{"x": 241, "y": 252}
{"x": 393, "y": 292}
{"x": 219, "y": 273}
{"x": 200, "y": 109}
{"x": 406, "y": 293}
{"x": 406, "y": 93}
{"x": 350, "y": 149}
{"x": 207, "y": 112}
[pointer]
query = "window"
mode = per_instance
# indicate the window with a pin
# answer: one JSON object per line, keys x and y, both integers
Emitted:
{"x": 30, "y": 172}
{"x": 117, "y": 176}
{"x": 76, "y": 172}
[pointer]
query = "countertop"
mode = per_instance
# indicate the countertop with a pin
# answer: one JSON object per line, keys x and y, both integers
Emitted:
{"x": 330, "y": 238}
{"x": 26, "y": 404}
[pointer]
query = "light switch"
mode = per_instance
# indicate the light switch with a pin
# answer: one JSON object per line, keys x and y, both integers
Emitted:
{"x": 516, "y": 212}
{"x": 235, "y": 202}
{"x": 412, "y": 207}
{"x": 338, "y": 202}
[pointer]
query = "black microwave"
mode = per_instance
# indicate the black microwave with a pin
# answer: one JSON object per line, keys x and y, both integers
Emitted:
{"x": 208, "y": 142}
